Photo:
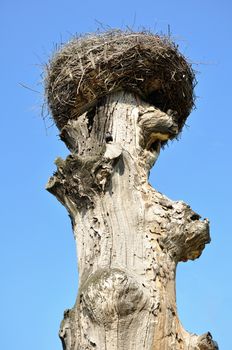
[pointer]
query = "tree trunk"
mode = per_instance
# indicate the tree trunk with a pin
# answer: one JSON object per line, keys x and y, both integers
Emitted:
{"x": 129, "y": 236}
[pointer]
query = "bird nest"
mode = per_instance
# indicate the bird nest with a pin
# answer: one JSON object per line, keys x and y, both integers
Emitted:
{"x": 88, "y": 68}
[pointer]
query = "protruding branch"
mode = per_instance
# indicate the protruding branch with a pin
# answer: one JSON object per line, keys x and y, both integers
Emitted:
{"x": 157, "y": 125}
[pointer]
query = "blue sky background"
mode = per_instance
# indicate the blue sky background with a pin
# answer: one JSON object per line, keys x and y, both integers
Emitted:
{"x": 38, "y": 260}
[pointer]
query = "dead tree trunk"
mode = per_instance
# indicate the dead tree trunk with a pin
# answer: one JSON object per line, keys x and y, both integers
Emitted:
{"x": 129, "y": 236}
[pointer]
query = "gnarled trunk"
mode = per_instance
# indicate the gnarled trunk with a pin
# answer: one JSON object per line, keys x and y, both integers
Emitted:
{"x": 129, "y": 236}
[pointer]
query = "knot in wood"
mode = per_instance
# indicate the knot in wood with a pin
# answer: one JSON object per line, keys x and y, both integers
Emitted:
{"x": 187, "y": 235}
{"x": 110, "y": 294}
{"x": 206, "y": 342}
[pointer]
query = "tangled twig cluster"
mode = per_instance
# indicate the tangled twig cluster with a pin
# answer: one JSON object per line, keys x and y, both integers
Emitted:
{"x": 88, "y": 68}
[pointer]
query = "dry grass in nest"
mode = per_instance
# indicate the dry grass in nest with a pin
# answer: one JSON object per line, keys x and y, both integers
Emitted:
{"x": 88, "y": 68}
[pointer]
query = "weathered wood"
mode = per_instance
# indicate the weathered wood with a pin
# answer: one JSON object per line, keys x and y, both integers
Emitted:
{"x": 129, "y": 236}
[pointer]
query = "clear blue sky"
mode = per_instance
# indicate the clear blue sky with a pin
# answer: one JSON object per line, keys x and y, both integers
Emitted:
{"x": 38, "y": 262}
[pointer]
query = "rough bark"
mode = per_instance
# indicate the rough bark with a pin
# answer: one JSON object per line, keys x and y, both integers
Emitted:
{"x": 129, "y": 236}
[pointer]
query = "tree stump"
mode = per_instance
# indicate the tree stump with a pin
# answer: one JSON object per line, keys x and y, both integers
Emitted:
{"x": 129, "y": 236}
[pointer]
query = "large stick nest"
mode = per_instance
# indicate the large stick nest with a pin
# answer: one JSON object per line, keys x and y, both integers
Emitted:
{"x": 88, "y": 68}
